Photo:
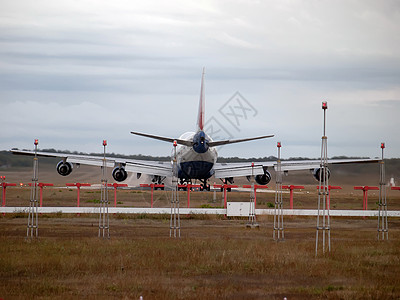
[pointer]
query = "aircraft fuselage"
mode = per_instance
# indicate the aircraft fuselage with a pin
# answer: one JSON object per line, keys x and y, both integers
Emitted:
{"x": 196, "y": 162}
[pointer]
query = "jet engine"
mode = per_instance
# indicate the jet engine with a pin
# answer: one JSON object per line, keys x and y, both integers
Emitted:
{"x": 119, "y": 174}
{"x": 64, "y": 168}
{"x": 317, "y": 171}
{"x": 263, "y": 179}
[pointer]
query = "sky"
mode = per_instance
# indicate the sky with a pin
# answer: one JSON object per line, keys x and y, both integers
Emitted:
{"x": 73, "y": 73}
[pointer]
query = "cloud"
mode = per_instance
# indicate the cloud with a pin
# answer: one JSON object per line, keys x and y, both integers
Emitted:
{"x": 91, "y": 69}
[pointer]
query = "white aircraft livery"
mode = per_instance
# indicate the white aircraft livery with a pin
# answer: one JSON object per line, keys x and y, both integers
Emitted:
{"x": 196, "y": 157}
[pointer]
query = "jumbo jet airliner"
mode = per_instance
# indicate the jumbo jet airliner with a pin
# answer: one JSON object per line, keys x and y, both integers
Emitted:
{"x": 196, "y": 157}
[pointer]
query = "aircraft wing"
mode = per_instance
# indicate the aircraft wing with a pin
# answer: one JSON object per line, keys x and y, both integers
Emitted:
{"x": 160, "y": 168}
{"x": 225, "y": 170}
{"x": 293, "y": 165}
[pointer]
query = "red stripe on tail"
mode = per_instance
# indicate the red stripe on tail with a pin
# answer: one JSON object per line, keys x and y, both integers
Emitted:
{"x": 201, "y": 115}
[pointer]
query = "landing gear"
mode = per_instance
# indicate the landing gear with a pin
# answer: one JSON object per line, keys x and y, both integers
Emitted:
{"x": 204, "y": 185}
{"x": 228, "y": 180}
{"x": 183, "y": 181}
{"x": 158, "y": 180}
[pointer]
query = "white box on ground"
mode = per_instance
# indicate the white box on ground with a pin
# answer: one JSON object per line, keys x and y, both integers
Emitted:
{"x": 238, "y": 209}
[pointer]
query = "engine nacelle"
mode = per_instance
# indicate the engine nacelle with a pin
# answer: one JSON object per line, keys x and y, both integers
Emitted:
{"x": 263, "y": 179}
{"x": 64, "y": 168}
{"x": 119, "y": 174}
{"x": 317, "y": 171}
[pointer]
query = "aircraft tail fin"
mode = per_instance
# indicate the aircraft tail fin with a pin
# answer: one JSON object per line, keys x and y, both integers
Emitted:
{"x": 201, "y": 114}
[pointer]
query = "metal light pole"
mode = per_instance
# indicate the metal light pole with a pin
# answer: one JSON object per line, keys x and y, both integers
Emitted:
{"x": 252, "y": 223}
{"x": 104, "y": 218}
{"x": 33, "y": 227}
{"x": 323, "y": 192}
{"x": 175, "y": 221}
{"x": 279, "y": 233}
{"x": 382, "y": 209}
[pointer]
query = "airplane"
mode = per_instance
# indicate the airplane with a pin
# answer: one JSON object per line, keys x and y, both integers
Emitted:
{"x": 196, "y": 159}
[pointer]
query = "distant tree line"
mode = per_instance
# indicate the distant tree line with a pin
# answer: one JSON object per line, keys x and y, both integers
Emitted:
{"x": 8, "y": 160}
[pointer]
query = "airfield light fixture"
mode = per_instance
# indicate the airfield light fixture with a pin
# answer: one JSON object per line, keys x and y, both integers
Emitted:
{"x": 323, "y": 192}
{"x": 175, "y": 143}
{"x": 382, "y": 204}
{"x": 279, "y": 145}
{"x": 104, "y": 143}
{"x": 36, "y": 142}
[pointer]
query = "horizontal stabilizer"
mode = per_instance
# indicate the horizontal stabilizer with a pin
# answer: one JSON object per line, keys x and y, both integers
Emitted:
{"x": 220, "y": 143}
{"x": 165, "y": 139}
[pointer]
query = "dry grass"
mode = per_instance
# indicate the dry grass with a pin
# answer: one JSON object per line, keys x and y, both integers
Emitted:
{"x": 213, "y": 259}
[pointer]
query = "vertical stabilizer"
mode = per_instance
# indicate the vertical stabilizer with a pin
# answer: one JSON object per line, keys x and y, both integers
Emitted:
{"x": 200, "y": 117}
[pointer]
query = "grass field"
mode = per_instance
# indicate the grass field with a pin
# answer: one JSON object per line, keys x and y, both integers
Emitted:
{"x": 214, "y": 258}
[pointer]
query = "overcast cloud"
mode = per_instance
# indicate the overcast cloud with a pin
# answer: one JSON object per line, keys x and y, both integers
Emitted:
{"x": 73, "y": 73}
